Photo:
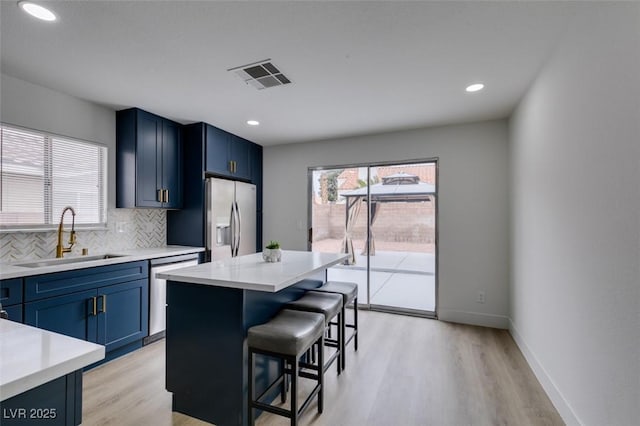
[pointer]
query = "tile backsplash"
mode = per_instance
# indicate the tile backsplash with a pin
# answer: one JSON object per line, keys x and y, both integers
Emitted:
{"x": 126, "y": 229}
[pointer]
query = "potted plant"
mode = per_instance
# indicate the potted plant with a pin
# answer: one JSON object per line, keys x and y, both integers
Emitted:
{"x": 272, "y": 252}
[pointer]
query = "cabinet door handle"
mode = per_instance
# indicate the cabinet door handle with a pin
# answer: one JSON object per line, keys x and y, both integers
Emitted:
{"x": 163, "y": 195}
{"x": 104, "y": 303}
{"x": 94, "y": 302}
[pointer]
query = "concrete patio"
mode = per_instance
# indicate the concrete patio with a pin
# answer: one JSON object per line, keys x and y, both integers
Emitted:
{"x": 398, "y": 279}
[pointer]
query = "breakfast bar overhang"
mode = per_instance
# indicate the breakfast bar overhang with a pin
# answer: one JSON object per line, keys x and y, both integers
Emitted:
{"x": 210, "y": 307}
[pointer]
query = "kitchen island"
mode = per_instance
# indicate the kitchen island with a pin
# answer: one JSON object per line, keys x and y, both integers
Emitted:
{"x": 41, "y": 375}
{"x": 210, "y": 307}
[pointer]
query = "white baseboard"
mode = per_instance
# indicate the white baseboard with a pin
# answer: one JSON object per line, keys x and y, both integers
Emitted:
{"x": 474, "y": 318}
{"x": 554, "y": 394}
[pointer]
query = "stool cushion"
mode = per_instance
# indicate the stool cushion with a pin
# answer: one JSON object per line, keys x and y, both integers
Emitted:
{"x": 328, "y": 304}
{"x": 348, "y": 290}
{"x": 288, "y": 333}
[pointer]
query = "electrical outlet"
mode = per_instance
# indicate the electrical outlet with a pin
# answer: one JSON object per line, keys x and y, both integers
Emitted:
{"x": 148, "y": 227}
{"x": 480, "y": 298}
{"x": 120, "y": 227}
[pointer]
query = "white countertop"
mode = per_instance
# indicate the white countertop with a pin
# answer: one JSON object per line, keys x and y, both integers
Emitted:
{"x": 250, "y": 272}
{"x": 13, "y": 270}
{"x": 30, "y": 357}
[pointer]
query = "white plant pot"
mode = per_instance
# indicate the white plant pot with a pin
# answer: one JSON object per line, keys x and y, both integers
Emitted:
{"x": 272, "y": 255}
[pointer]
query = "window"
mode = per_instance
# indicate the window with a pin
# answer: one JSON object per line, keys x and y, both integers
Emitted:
{"x": 41, "y": 174}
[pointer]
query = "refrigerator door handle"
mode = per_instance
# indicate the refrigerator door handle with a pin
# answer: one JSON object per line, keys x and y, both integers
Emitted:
{"x": 233, "y": 229}
{"x": 209, "y": 230}
{"x": 239, "y": 227}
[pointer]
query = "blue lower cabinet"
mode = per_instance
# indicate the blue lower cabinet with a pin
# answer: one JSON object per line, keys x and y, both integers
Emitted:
{"x": 61, "y": 283}
{"x": 11, "y": 291}
{"x": 107, "y": 305}
{"x": 123, "y": 314}
{"x": 11, "y": 298}
{"x": 14, "y": 312}
{"x": 58, "y": 402}
{"x": 114, "y": 316}
{"x": 73, "y": 315}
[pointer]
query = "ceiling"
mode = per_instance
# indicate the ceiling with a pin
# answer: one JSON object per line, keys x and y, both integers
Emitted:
{"x": 356, "y": 67}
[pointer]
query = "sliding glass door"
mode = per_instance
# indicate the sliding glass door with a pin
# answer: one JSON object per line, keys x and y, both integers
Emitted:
{"x": 339, "y": 225}
{"x": 384, "y": 217}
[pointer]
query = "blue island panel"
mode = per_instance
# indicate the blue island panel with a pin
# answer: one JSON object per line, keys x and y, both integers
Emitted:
{"x": 206, "y": 346}
{"x": 58, "y": 402}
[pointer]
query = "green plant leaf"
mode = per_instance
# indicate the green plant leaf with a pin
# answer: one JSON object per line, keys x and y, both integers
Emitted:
{"x": 273, "y": 245}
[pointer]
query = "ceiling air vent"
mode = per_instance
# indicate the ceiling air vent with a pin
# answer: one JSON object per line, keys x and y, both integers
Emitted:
{"x": 261, "y": 75}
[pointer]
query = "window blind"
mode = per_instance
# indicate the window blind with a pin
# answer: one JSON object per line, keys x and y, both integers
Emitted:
{"x": 41, "y": 174}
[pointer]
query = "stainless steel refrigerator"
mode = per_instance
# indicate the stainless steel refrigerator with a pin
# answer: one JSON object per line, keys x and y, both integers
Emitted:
{"x": 231, "y": 218}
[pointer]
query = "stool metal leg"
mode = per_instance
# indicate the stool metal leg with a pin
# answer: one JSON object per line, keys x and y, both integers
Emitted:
{"x": 294, "y": 393}
{"x": 355, "y": 322}
{"x": 283, "y": 392}
{"x": 321, "y": 375}
{"x": 250, "y": 419}
{"x": 342, "y": 328}
{"x": 341, "y": 341}
{"x": 337, "y": 356}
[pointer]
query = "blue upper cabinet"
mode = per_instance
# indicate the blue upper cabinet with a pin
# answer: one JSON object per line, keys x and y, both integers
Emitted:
{"x": 240, "y": 156}
{"x": 255, "y": 158}
{"x": 148, "y": 160}
{"x": 172, "y": 164}
{"x": 209, "y": 151}
{"x": 217, "y": 149}
{"x": 227, "y": 154}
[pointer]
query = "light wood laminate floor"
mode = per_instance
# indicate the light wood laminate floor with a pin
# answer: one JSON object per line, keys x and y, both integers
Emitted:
{"x": 407, "y": 371}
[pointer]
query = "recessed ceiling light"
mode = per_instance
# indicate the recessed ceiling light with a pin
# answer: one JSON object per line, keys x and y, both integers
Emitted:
{"x": 475, "y": 87}
{"x": 38, "y": 11}
{"x": 253, "y": 122}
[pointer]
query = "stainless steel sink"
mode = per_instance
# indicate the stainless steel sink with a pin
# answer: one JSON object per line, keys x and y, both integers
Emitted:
{"x": 53, "y": 262}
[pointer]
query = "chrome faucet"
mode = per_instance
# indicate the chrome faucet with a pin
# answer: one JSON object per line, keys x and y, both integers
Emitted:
{"x": 60, "y": 249}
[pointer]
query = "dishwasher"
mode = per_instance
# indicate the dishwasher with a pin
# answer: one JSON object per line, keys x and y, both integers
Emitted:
{"x": 158, "y": 292}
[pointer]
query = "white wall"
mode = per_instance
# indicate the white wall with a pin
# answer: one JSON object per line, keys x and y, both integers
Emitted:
{"x": 36, "y": 107}
{"x": 575, "y": 202}
{"x": 473, "y": 205}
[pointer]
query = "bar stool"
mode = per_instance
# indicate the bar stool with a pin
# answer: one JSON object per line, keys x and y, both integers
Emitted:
{"x": 330, "y": 305}
{"x": 349, "y": 292}
{"x": 287, "y": 337}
